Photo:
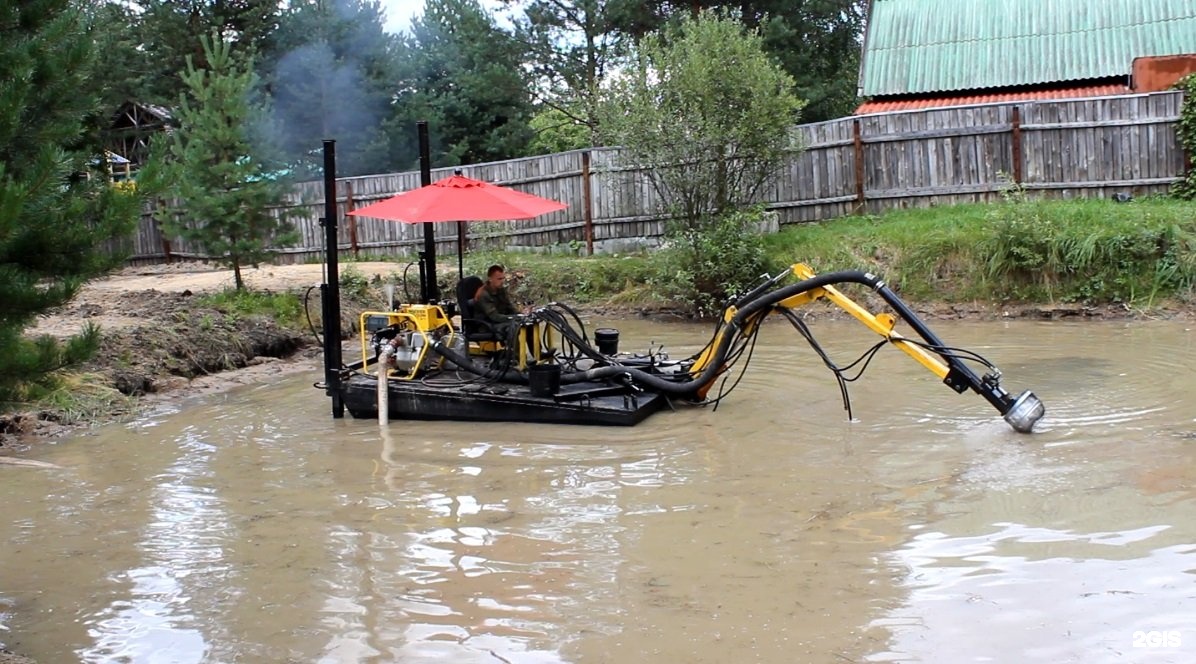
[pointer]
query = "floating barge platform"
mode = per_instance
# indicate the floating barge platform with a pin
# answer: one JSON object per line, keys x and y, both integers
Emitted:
{"x": 579, "y": 403}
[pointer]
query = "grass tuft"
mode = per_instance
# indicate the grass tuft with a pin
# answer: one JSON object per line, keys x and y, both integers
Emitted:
{"x": 82, "y": 398}
{"x": 285, "y": 308}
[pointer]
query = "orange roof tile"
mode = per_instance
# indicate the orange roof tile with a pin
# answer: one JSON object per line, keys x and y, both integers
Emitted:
{"x": 891, "y": 105}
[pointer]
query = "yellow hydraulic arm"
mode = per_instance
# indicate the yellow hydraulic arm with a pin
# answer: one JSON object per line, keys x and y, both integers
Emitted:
{"x": 881, "y": 324}
{"x": 747, "y": 313}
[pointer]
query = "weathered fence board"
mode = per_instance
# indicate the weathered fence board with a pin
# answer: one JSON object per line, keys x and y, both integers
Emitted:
{"x": 873, "y": 163}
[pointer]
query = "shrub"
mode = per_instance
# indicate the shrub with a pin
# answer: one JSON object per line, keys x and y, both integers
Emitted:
{"x": 1093, "y": 251}
{"x": 1186, "y": 187}
{"x": 704, "y": 268}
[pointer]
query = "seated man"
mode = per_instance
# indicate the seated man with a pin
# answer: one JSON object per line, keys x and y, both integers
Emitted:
{"x": 494, "y": 302}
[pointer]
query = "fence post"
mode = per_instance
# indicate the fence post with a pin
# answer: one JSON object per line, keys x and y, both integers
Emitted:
{"x": 352, "y": 218}
{"x": 860, "y": 196}
{"x": 159, "y": 206}
{"x": 587, "y": 202}
{"x": 1017, "y": 144}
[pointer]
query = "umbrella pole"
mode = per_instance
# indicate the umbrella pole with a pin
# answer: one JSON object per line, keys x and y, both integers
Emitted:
{"x": 460, "y": 250}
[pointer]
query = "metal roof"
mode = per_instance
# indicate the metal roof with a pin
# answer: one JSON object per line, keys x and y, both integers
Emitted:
{"x": 920, "y": 46}
{"x": 894, "y": 104}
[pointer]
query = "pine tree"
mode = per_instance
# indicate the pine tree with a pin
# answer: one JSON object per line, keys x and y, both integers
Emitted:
{"x": 166, "y": 32}
{"x": 54, "y": 220}
{"x": 217, "y": 165}
{"x": 463, "y": 74}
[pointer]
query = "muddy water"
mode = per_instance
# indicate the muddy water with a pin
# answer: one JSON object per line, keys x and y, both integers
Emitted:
{"x": 254, "y": 528}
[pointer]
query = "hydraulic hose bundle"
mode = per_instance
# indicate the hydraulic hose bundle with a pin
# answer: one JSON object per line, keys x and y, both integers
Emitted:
{"x": 735, "y": 339}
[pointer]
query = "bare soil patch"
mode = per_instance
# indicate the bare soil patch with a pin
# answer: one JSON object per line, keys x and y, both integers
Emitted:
{"x": 8, "y": 657}
{"x": 126, "y": 298}
{"x": 161, "y": 342}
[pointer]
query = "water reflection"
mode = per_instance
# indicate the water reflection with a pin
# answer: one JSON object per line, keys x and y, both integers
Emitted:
{"x": 256, "y": 528}
{"x": 183, "y": 551}
{"x": 468, "y": 588}
{"x": 1043, "y": 595}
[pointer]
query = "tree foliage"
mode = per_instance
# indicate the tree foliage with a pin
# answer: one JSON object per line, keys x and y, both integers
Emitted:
{"x": 122, "y": 72}
{"x": 218, "y": 163}
{"x": 332, "y": 75}
{"x": 557, "y": 131}
{"x": 818, "y": 42}
{"x": 571, "y": 47}
{"x": 54, "y": 220}
{"x": 705, "y": 112}
{"x": 463, "y": 74}
{"x": 707, "y": 116}
{"x": 166, "y": 32}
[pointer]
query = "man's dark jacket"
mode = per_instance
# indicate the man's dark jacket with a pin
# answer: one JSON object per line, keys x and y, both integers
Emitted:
{"x": 495, "y": 306}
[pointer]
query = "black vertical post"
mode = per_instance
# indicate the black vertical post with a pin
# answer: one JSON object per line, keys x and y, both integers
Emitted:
{"x": 330, "y": 290}
{"x": 432, "y": 291}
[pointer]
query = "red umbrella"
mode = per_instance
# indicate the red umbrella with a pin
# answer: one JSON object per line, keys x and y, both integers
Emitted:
{"x": 458, "y": 198}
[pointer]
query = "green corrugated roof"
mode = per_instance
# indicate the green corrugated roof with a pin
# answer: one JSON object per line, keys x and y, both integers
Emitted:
{"x": 916, "y": 46}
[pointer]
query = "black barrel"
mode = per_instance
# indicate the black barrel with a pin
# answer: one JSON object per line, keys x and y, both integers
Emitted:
{"x": 544, "y": 379}
{"x": 607, "y": 339}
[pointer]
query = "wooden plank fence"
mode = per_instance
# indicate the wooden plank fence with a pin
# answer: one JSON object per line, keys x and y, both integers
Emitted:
{"x": 867, "y": 164}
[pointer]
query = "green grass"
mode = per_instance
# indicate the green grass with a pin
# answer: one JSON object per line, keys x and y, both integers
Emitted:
{"x": 79, "y": 398}
{"x": 1041, "y": 251}
{"x": 1091, "y": 251}
{"x": 285, "y": 308}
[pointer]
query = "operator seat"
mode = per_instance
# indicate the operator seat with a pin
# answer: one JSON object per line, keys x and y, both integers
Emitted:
{"x": 472, "y": 327}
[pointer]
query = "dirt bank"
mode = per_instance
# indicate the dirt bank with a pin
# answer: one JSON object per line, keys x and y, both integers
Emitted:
{"x": 161, "y": 341}
{"x": 126, "y": 298}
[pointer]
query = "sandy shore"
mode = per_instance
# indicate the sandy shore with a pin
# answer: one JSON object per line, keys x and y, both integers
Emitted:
{"x": 113, "y": 302}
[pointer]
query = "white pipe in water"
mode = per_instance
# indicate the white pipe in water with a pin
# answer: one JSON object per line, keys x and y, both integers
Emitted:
{"x": 383, "y": 388}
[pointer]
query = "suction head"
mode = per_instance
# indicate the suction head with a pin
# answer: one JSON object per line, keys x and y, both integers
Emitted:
{"x": 1025, "y": 412}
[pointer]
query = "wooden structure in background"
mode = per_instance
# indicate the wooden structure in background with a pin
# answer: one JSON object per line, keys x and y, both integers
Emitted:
{"x": 921, "y": 54}
{"x": 867, "y": 164}
{"x": 133, "y": 126}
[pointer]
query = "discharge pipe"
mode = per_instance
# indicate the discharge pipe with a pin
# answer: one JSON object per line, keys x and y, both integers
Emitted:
{"x": 675, "y": 388}
{"x": 383, "y": 384}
